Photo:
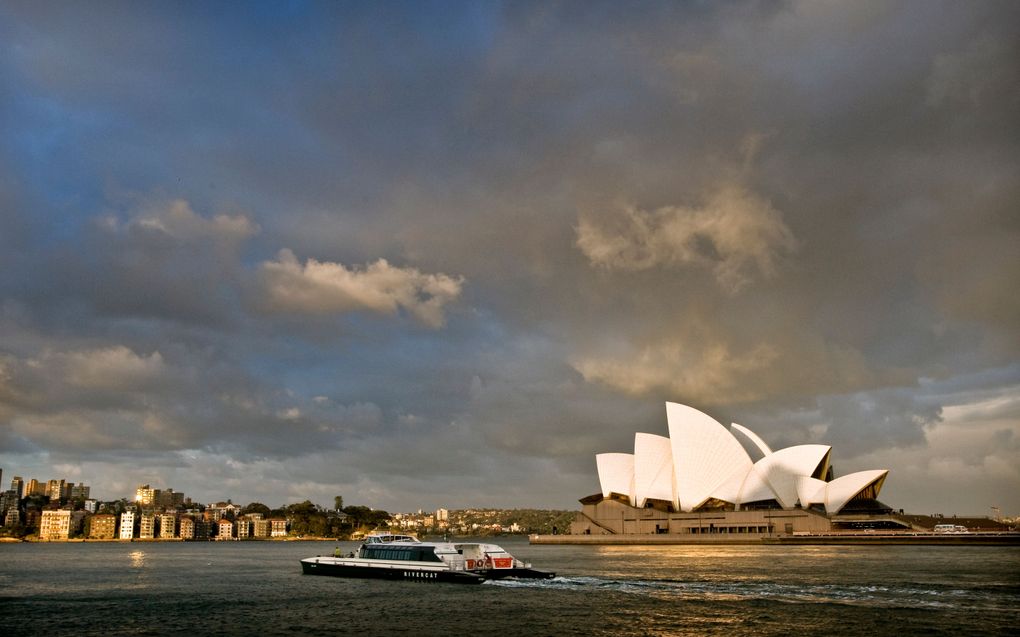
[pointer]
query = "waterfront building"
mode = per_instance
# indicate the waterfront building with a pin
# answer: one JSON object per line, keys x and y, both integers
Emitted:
{"x": 147, "y": 526}
{"x": 707, "y": 479}
{"x": 187, "y": 528}
{"x": 103, "y": 527}
{"x": 55, "y": 525}
{"x": 202, "y": 530}
{"x": 18, "y": 486}
{"x": 127, "y": 525}
{"x": 225, "y": 529}
{"x": 278, "y": 527}
{"x": 260, "y": 527}
{"x": 243, "y": 525}
{"x": 167, "y": 526}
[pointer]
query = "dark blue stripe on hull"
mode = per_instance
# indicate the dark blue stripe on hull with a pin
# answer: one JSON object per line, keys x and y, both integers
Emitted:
{"x": 339, "y": 570}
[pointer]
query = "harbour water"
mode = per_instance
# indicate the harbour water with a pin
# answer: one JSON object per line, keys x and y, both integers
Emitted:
{"x": 257, "y": 588}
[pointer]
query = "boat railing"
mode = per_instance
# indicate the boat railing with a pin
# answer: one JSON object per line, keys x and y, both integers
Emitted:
{"x": 386, "y": 538}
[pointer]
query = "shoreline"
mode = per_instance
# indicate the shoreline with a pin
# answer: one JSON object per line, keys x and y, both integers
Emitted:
{"x": 862, "y": 539}
{"x": 167, "y": 540}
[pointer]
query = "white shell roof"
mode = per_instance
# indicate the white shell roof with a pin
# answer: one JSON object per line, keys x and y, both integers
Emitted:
{"x": 616, "y": 474}
{"x": 701, "y": 460}
{"x": 781, "y": 469}
{"x": 743, "y": 433}
{"x": 810, "y": 491}
{"x": 705, "y": 454}
{"x": 653, "y": 468}
{"x": 730, "y": 489}
{"x": 842, "y": 490}
{"x": 756, "y": 488}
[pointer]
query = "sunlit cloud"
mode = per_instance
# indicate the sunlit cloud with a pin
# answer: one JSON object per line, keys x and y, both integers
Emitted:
{"x": 735, "y": 234}
{"x": 324, "y": 287}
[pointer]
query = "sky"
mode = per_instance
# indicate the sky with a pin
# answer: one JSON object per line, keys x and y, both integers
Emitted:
{"x": 440, "y": 254}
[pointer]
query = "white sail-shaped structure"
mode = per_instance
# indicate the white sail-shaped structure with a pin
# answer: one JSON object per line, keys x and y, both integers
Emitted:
{"x": 704, "y": 454}
{"x": 744, "y": 434}
{"x": 703, "y": 464}
{"x": 616, "y": 474}
{"x": 653, "y": 469}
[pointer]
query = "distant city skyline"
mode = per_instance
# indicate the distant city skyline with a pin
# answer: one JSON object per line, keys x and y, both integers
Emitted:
{"x": 439, "y": 255}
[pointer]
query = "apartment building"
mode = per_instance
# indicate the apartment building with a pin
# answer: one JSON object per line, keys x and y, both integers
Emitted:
{"x": 103, "y": 527}
{"x": 127, "y": 525}
{"x": 167, "y": 526}
{"x": 260, "y": 527}
{"x": 55, "y": 525}
{"x": 147, "y": 526}
{"x": 278, "y": 527}
{"x": 187, "y": 528}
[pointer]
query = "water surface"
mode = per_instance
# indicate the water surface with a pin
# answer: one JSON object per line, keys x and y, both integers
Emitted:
{"x": 257, "y": 587}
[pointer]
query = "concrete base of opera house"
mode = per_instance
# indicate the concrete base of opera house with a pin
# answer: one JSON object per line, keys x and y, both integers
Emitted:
{"x": 926, "y": 538}
{"x": 610, "y": 516}
{"x": 610, "y": 521}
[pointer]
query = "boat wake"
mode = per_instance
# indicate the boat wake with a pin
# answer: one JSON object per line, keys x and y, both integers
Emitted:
{"x": 723, "y": 590}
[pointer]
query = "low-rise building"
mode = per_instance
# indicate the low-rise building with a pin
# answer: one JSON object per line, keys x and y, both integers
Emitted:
{"x": 243, "y": 528}
{"x": 147, "y": 526}
{"x": 127, "y": 525}
{"x": 103, "y": 527}
{"x": 278, "y": 527}
{"x": 260, "y": 527}
{"x": 225, "y": 530}
{"x": 187, "y": 528}
{"x": 55, "y": 525}
{"x": 167, "y": 526}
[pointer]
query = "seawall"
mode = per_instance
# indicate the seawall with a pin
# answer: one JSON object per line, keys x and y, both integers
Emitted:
{"x": 872, "y": 539}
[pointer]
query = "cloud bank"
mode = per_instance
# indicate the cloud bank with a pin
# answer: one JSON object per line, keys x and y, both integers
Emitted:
{"x": 266, "y": 255}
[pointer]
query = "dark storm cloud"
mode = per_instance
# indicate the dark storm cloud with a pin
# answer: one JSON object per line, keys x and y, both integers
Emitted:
{"x": 360, "y": 246}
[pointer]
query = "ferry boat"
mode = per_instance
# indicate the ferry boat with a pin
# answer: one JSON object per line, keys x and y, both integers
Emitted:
{"x": 405, "y": 557}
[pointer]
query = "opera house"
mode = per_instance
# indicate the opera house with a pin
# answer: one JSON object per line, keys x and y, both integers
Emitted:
{"x": 716, "y": 483}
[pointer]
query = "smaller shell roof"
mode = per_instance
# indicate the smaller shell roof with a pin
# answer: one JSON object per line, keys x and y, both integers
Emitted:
{"x": 616, "y": 474}
{"x": 653, "y": 469}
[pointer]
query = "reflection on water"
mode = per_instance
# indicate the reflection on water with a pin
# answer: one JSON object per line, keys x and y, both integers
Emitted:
{"x": 137, "y": 559}
{"x": 602, "y": 591}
